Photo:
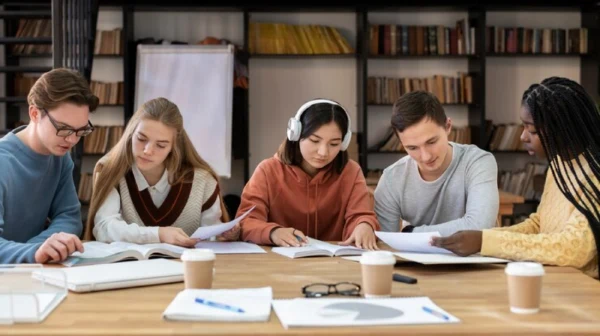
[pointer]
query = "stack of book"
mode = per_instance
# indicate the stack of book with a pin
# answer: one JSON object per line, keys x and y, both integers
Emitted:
{"x": 279, "y": 38}
{"x": 449, "y": 90}
{"x": 390, "y": 39}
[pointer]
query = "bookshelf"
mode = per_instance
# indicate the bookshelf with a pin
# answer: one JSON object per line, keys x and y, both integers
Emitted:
{"x": 108, "y": 83}
{"x": 279, "y": 83}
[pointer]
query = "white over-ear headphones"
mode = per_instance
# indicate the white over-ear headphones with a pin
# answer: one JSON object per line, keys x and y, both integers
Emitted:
{"x": 294, "y": 128}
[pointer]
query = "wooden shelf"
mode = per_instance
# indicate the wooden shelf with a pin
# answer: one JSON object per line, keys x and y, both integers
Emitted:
{"x": 534, "y": 55}
{"x": 451, "y": 104}
{"x": 29, "y": 55}
{"x": 292, "y": 56}
{"x": 419, "y": 57}
{"x": 107, "y": 56}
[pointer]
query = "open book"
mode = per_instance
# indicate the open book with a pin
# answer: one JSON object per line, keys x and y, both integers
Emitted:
{"x": 103, "y": 253}
{"x": 317, "y": 248}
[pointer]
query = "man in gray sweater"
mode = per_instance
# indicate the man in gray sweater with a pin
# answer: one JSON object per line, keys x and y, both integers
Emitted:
{"x": 440, "y": 185}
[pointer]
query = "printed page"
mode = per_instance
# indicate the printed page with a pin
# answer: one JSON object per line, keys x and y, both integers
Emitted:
{"x": 411, "y": 242}
{"x": 95, "y": 249}
{"x": 434, "y": 259}
{"x": 205, "y": 232}
{"x": 319, "y": 244}
{"x": 335, "y": 312}
{"x": 147, "y": 249}
{"x": 231, "y": 247}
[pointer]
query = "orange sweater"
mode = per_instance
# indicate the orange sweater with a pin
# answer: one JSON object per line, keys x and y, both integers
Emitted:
{"x": 327, "y": 207}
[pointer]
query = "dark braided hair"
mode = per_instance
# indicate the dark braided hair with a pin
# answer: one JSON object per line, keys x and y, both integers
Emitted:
{"x": 568, "y": 122}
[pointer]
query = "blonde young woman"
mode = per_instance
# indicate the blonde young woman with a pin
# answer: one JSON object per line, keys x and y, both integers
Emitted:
{"x": 153, "y": 186}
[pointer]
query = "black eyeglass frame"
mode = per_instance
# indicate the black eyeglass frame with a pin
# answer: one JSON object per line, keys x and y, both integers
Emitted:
{"x": 353, "y": 292}
{"x": 81, "y": 132}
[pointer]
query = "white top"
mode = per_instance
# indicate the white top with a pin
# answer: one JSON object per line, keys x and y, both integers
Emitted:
{"x": 110, "y": 225}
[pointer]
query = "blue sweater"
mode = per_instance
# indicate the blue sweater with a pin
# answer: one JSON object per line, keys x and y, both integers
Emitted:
{"x": 33, "y": 188}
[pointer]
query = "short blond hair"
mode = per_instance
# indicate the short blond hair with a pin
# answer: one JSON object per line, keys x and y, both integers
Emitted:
{"x": 59, "y": 86}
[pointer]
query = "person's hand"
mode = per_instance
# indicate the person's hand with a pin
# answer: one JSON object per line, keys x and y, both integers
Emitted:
{"x": 363, "y": 237}
{"x": 230, "y": 235}
{"x": 462, "y": 243}
{"x": 58, "y": 247}
{"x": 175, "y": 236}
{"x": 287, "y": 237}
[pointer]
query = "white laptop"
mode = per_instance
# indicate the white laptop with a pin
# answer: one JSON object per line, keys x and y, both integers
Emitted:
{"x": 119, "y": 275}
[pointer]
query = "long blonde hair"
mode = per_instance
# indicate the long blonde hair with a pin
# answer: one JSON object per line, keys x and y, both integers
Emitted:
{"x": 180, "y": 163}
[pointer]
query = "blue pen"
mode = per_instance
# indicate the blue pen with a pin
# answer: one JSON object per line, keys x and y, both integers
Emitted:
{"x": 219, "y": 305}
{"x": 435, "y": 313}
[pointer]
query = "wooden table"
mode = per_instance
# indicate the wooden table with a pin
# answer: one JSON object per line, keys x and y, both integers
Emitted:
{"x": 476, "y": 294}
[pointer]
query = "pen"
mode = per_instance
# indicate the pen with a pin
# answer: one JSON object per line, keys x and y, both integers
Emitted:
{"x": 435, "y": 313}
{"x": 219, "y": 305}
{"x": 403, "y": 278}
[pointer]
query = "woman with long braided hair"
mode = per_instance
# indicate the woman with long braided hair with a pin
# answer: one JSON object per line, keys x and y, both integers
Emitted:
{"x": 561, "y": 124}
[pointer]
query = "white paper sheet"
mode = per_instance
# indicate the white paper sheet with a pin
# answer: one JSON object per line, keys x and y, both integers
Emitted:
{"x": 231, "y": 247}
{"x": 205, "y": 232}
{"x": 359, "y": 312}
{"x": 411, "y": 242}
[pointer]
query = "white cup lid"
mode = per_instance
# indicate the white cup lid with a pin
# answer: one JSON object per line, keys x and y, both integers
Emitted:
{"x": 198, "y": 255}
{"x": 378, "y": 258}
{"x": 524, "y": 269}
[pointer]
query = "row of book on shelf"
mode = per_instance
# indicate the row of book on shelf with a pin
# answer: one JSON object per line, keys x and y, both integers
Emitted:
{"x": 392, "y": 39}
{"x": 449, "y": 90}
{"x": 33, "y": 28}
{"x": 391, "y": 142}
{"x": 536, "y": 40}
{"x": 108, "y": 93}
{"x": 108, "y": 42}
{"x": 84, "y": 192}
{"x": 527, "y": 182}
{"x": 506, "y": 137}
{"x": 280, "y": 38}
{"x": 102, "y": 139}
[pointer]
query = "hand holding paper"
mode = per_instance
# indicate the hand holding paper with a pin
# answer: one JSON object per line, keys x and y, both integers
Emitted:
{"x": 206, "y": 232}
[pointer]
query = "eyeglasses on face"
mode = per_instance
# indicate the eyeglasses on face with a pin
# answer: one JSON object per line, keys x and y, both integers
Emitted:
{"x": 64, "y": 132}
{"x": 322, "y": 289}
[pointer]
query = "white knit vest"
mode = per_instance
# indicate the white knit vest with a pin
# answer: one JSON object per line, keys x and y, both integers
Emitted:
{"x": 191, "y": 217}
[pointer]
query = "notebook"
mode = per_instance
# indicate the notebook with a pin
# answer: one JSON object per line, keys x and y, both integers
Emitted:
{"x": 337, "y": 312}
{"x": 229, "y": 305}
{"x": 118, "y": 275}
{"x": 317, "y": 248}
{"x": 103, "y": 253}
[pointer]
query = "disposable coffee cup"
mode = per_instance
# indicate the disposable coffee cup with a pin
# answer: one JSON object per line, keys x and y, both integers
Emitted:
{"x": 377, "y": 268}
{"x": 198, "y": 268}
{"x": 524, "y": 286}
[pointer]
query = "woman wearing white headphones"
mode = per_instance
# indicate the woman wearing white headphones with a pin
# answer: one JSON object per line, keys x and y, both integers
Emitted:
{"x": 310, "y": 188}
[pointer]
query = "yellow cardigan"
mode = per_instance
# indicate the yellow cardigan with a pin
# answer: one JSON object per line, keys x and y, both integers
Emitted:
{"x": 557, "y": 234}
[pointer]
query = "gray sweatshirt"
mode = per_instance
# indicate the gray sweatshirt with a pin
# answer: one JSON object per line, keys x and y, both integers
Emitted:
{"x": 465, "y": 197}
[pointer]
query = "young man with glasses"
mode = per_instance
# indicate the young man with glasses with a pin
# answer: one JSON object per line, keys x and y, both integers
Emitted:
{"x": 40, "y": 219}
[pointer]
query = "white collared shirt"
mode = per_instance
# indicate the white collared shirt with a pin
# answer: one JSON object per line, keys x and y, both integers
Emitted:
{"x": 110, "y": 226}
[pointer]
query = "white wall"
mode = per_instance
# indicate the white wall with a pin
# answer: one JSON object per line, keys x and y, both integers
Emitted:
{"x": 508, "y": 77}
